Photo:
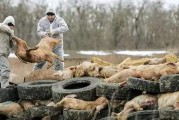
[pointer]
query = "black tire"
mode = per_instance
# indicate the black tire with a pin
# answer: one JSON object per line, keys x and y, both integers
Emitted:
{"x": 44, "y": 111}
{"x": 19, "y": 118}
{"x": 84, "y": 88}
{"x": 144, "y": 115}
{"x": 29, "y": 118}
{"x": 116, "y": 105}
{"x": 36, "y": 90}
{"x": 108, "y": 118}
{"x": 76, "y": 115}
{"x": 168, "y": 114}
{"x": 3, "y": 117}
{"x": 57, "y": 117}
{"x": 8, "y": 94}
{"x": 133, "y": 93}
{"x": 60, "y": 117}
{"x": 143, "y": 85}
{"x": 112, "y": 91}
{"x": 83, "y": 114}
{"x": 169, "y": 83}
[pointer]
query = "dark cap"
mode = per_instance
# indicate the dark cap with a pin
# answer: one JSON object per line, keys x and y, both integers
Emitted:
{"x": 50, "y": 13}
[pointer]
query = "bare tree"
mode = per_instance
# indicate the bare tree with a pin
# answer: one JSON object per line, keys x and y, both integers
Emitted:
{"x": 101, "y": 26}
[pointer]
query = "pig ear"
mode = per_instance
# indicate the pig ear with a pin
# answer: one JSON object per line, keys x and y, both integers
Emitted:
{"x": 71, "y": 96}
{"x": 129, "y": 110}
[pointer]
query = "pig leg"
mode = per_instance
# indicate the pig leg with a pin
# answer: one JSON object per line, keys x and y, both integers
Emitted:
{"x": 59, "y": 58}
{"x": 123, "y": 114}
{"x": 60, "y": 104}
{"x": 50, "y": 61}
{"x": 50, "y": 57}
{"x": 133, "y": 105}
{"x": 100, "y": 107}
{"x": 53, "y": 56}
{"x": 137, "y": 107}
{"x": 49, "y": 65}
{"x": 122, "y": 84}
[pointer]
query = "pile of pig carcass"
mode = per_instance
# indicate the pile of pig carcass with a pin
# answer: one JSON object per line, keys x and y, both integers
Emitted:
{"x": 145, "y": 68}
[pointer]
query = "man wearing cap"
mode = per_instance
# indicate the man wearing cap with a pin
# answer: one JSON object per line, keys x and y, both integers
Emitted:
{"x": 53, "y": 26}
{"x": 6, "y": 33}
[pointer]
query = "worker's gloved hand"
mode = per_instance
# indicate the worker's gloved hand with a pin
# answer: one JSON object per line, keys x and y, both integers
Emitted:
{"x": 52, "y": 32}
{"x": 48, "y": 34}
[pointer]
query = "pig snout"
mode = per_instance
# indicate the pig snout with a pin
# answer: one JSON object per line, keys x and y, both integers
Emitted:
{"x": 150, "y": 102}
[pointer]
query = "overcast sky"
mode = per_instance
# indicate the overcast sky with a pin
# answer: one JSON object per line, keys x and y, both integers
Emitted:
{"x": 54, "y": 3}
{"x": 168, "y": 2}
{"x": 172, "y": 1}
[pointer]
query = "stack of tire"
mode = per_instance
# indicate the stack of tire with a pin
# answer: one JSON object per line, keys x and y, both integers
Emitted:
{"x": 89, "y": 89}
{"x": 8, "y": 94}
{"x": 114, "y": 91}
{"x": 168, "y": 83}
{"x": 34, "y": 90}
{"x": 85, "y": 89}
{"x": 150, "y": 87}
{"x": 38, "y": 90}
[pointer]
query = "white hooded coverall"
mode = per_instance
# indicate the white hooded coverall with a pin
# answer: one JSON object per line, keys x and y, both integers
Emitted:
{"x": 5, "y": 45}
{"x": 58, "y": 27}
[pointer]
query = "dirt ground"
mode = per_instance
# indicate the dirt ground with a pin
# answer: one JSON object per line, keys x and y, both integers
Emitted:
{"x": 19, "y": 69}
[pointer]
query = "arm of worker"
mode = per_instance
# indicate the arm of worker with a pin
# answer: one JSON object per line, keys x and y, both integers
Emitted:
{"x": 63, "y": 27}
{"x": 12, "y": 42}
{"x": 40, "y": 31}
{"x": 6, "y": 29}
